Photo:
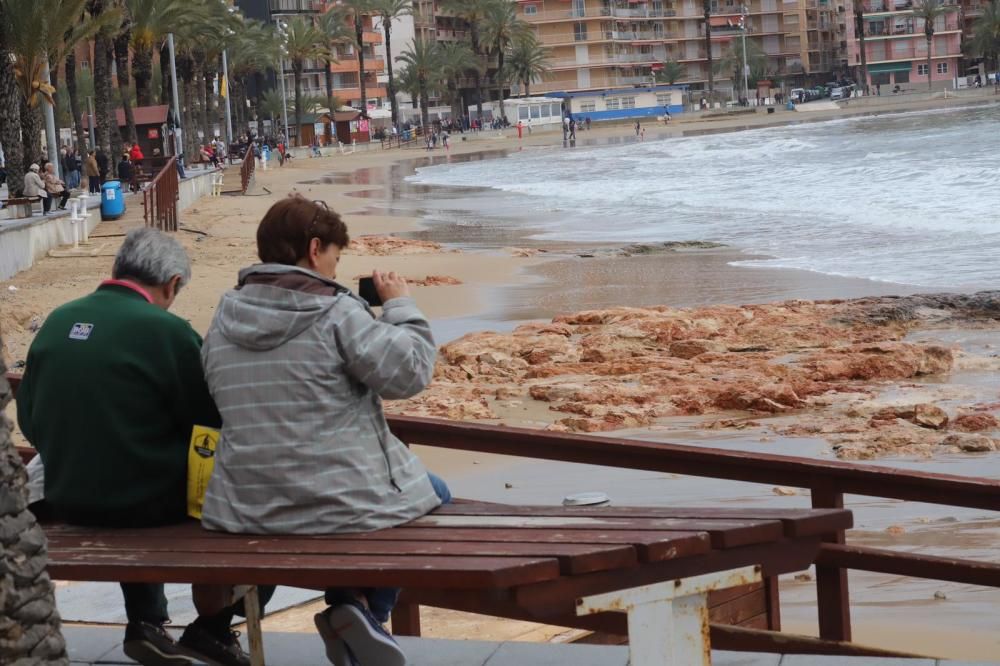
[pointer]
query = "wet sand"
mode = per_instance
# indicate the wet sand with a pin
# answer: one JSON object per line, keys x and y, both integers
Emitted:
{"x": 500, "y": 290}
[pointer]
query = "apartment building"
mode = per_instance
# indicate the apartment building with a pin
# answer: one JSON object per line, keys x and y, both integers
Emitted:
{"x": 896, "y": 46}
{"x": 608, "y": 44}
{"x": 346, "y": 79}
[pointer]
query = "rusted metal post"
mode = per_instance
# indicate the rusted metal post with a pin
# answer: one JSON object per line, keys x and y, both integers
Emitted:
{"x": 406, "y": 620}
{"x": 832, "y": 592}
{"x": 668, "y": 622}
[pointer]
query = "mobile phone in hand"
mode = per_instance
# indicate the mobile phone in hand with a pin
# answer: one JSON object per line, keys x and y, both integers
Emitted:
{"x": 367, "y": 291}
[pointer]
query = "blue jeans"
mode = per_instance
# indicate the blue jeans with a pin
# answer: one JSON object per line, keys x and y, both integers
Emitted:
{"x": 381, "y": 600}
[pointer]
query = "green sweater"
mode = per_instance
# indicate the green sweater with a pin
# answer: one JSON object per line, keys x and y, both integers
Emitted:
{"x": 112, "y": 387}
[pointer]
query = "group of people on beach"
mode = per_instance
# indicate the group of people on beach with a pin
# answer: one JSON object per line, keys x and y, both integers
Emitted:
{"x": 293, "y": 371}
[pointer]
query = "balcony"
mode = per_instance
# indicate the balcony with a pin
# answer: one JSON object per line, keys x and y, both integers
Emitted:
{"x": 350, "y": 64}
{"x": 612, "y": 59}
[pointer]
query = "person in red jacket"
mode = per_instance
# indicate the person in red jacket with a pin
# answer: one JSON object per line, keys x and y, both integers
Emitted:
{"x": 136, "y": 153}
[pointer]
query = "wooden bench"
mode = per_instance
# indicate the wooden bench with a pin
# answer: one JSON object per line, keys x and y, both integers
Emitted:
{"x": 608, "y": 569}
{"x": 21, "y": 206}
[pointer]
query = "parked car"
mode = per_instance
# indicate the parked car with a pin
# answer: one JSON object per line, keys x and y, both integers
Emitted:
{"x": 840, "y": 93}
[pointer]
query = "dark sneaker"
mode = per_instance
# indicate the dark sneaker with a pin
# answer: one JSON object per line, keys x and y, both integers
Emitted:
{"x": 366, "y": 640}
{"x": 214, "y": 650}
{"x": 151, "y": 645}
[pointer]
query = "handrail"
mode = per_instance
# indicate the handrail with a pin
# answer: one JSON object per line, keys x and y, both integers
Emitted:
{"x": 247, "y": 168}
{"x": 160, "y": 198}
{"x": 827, "y": 480}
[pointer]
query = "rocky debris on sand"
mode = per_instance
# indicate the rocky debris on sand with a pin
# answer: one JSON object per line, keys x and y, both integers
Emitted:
{"x": 391, "y": 245}
{"x": 523, "y": 251}
{"x": 975, "y": 422}
{"x": 815, "y": 369}
{"x": 429, "y": 281}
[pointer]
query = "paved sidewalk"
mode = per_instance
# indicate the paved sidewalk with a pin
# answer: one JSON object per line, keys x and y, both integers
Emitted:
{"x": 102, "y": 645}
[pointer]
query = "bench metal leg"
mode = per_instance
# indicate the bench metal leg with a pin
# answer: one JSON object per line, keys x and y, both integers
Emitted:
{"x": 252, "y": 603}
{"x": 668, "y": 622}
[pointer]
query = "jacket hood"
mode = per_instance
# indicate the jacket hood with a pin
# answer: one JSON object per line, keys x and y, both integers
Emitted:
{"x": 273, "y": 304}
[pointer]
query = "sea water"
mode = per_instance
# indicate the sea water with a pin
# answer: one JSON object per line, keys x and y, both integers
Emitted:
{"x": 909, "y": 198}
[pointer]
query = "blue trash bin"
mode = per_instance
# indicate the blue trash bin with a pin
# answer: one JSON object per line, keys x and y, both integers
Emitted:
{"x": 790, "y": 106}
{"x": 112, "y": 200}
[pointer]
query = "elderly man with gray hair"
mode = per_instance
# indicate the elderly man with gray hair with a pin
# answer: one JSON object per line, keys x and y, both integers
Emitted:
{"x": 112, "y": 388}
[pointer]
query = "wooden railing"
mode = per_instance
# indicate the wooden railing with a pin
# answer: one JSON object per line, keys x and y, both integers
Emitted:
{"x": 247, "y": 169}
{"x": 160, "y": 198}
{"x": 827, "y": 480}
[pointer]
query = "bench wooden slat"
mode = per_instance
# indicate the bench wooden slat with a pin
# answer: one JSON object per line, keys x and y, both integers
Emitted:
{"x": 651, "y": 546}
{"x": 724, "y": 533}
{"x": 797, "y": 522}
{"x": 309, "y": 571}
{"x": 573, "y": 558}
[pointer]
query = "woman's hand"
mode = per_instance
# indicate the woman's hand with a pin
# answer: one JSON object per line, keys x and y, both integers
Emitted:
{"x": 390, "y": 285}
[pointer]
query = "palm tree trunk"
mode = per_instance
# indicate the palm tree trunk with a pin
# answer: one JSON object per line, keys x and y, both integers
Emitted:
{"x": 297, "y": 75}
{"x": 208, "y": 100}
{"x": 121, "y": 64}
{"x": 31, "y": 620}
{"x": 102, "y": 101}
{"x": 393, "y": 104}
{"x": 474, "y": 39}
{"x": 359, "y": 34}
{"x": 10, "y": 119}
{"x": 74, "y": 103}
{"x": 930, "y": 38}
{"x": 142, "y": 72}
{"x": 503, "y": 112}
{"x": 31, "y": 129}
{"x": 329, "y": 102}
{"x": 424, "y": 108}
{"x": 707, "y": 7}
{"x": 115, "y": 132}
{"x": 166, "y": 93}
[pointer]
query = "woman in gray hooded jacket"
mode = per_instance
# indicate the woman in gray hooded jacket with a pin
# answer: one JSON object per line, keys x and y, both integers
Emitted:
{"x": 299, "y": 366}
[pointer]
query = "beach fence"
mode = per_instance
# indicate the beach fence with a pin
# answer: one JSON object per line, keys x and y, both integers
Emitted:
{"x": 247, "y": 169}
{"x": 827, "y": 481}
{"x": 160, "y": 198}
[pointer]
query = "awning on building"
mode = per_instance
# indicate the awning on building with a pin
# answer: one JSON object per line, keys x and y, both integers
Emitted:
{"x": 884, "y": 67}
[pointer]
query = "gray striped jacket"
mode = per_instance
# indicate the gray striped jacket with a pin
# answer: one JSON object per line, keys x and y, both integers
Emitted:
{"x": 298, "y": 367}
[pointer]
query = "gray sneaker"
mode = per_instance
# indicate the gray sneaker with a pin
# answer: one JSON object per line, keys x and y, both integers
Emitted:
{"x": 151, "y": 645}
{"x": 353, "y": 637}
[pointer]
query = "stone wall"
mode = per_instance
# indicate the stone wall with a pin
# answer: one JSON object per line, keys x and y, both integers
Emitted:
{"x": 30, "y": 631}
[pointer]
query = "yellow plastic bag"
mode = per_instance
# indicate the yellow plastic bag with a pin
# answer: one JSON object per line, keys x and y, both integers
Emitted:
{"x": 201, "y": 461}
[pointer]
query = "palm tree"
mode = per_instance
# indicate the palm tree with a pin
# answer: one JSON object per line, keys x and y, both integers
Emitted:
{"x": 985, "y": 41}
{"x": 732, "y": 61}
{"x": 10, "y": 111}
{"x": 40, "y": 35}
{"x": 453, "y": 60}
{"x": 501, "y": 28}
{"x": 859, "y": 30}
{"x": 671, "y": 72}
{"x": 271, "y": 105}
{"x": 389, "y": 11}
{"x": 151, "y": 21}
{"x": 303, "y": 41}
{"x": 473, "y": 12}
{"x": 121, "y": 45}
{"x": 333, "y": 25}
{"x": 928, "y": 11}
{"x": 707, "y": 7}
{"x": 528, "y": 61}
{"x": 254, "y": 49}
{"x": 358, "y": 9}
{"x": 423, "y": 62}
{"x": 407, "y": 83}
{"x": 32, "y": 633}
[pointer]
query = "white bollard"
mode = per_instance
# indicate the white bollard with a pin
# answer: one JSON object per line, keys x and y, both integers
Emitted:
{"x": 84, "y": 216}
{"x": 74, "y": 219}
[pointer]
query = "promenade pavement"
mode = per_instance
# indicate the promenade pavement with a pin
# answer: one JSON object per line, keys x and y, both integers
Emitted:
{"x": 92, "y": 646}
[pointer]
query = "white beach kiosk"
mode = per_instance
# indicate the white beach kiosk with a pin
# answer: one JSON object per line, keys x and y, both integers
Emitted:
{"x": 528, "y": 110}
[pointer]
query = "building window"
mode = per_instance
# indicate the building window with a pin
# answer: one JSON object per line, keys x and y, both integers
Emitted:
{"x": 628, "y": 102}
{"x": 613, "y": 103}
{"x": 903, "y": 77}
{"x": 664, "y": 99}
{"x": 84, "y": 65}
{"x": 921, "y": 70}
{"x": 580, "y": 32}
{"x": 530, "y": 10}
{"x": 588, "y": 107}
{"x": 942, "y": 68}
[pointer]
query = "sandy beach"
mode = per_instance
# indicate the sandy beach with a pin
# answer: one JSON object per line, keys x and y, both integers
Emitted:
{"x": 505, "y": 279}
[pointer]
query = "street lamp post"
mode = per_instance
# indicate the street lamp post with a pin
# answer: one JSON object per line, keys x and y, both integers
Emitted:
{"x": 744, "y": 13}
{"x": 229, "y": 113}
{"x": 178, "y": 146}
{"x": 281, "y": 75}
